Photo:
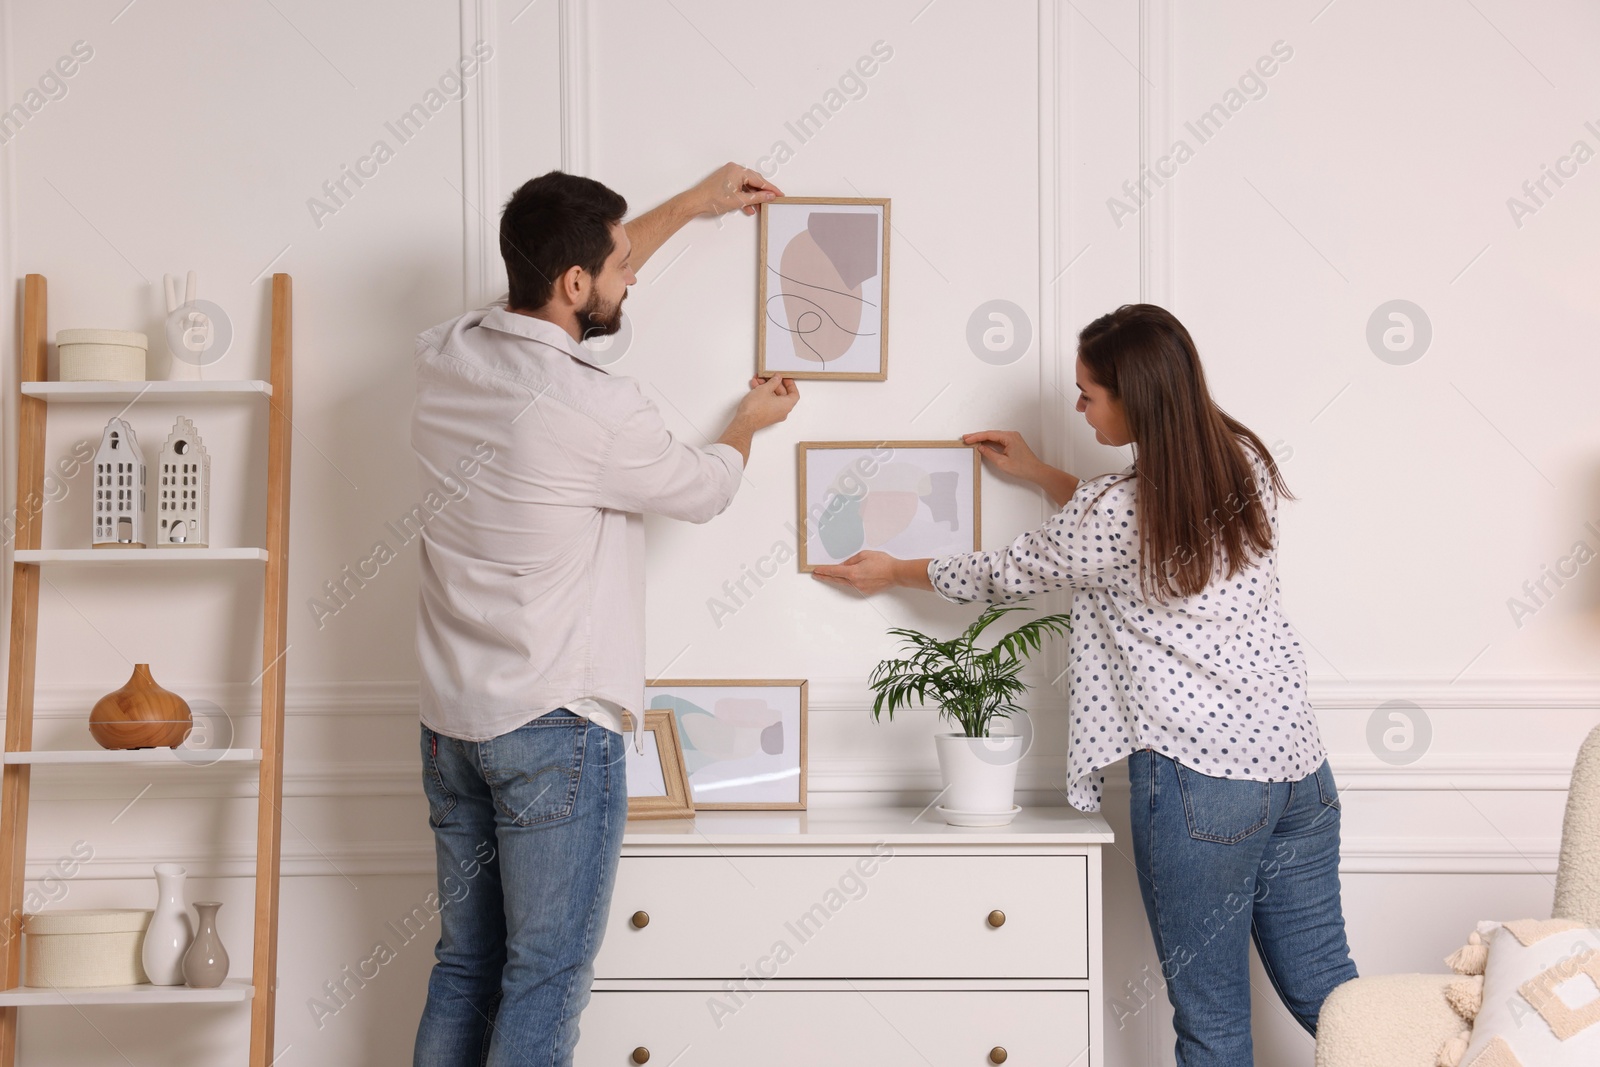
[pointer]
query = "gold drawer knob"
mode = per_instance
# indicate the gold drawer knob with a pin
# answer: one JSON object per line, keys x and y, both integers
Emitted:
{"x": 640, "y": 920}
{"x": 997, "y": 1055}
{"x": 642, "y": 1054}
{"x": 997, "y": 919}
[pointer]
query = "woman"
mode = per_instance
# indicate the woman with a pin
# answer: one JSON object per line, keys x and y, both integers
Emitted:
{"x": 1183, "y": 661}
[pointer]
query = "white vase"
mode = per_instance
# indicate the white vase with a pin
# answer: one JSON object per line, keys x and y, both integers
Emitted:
{"x": 980, "y": 777}
{"x": 169, "y": 934}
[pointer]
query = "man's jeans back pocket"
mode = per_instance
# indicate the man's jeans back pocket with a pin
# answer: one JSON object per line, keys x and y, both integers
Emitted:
{"x": 534, "y": 771}
{"x": 440, "y": 799}
{"x": 1224, "y": 810}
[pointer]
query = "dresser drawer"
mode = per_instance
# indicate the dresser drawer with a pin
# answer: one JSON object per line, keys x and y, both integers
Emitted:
{"x": 797, "y": 1028}
{"x": 836, "y": 916}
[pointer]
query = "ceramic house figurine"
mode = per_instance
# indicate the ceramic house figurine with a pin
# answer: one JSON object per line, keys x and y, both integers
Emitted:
{"x": 119, "y": 508}
{"x": 183, "y": 507}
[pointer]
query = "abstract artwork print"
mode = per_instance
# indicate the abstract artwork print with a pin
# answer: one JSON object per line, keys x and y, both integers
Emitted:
{"x": 744, "y": 742}
{"x": 823, "y": 306}
{"x": 910, "y": 499}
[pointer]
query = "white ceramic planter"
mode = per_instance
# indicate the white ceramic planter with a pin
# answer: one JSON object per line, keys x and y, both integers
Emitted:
{"x": 101, "y": 355}
{"x": 95, "y": 947}
{"x": 980, "y": 777}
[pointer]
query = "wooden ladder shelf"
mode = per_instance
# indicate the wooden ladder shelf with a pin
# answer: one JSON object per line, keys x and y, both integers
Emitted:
{"x": 33, "y": 400}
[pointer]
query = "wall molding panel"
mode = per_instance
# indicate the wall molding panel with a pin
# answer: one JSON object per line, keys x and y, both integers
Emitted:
{"x": 837, "y": 694}
{"x": 1157, "y": 72}
{"x": 1055, "y": 376}
{"x": 1041, "y": 772}
{"x": 480, "y": 160}
{"x": 575, "y": 80}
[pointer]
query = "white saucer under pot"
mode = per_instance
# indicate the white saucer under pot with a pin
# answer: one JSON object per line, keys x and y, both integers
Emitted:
{"x": 977, "y": 818}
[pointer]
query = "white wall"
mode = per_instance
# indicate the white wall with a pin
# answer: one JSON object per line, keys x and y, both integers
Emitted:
{"x": 1376, "y": 166}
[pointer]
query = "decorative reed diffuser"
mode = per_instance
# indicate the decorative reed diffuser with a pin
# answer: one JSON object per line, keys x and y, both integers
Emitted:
{"x": 140, "y": 715}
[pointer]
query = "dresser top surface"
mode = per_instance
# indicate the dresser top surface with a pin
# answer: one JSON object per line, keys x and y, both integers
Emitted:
{"x": 1032, "y": 826}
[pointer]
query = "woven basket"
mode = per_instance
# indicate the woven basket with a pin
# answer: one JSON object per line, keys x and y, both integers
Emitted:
{"x": 92, "y": 947}
{"x": 101, "y": 355}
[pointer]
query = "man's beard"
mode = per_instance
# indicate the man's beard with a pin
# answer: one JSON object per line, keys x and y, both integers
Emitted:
{"x": 598, "y": 320}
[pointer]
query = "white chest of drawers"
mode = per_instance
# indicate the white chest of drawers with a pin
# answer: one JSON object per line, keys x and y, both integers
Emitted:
{"x": 853, "y": 937}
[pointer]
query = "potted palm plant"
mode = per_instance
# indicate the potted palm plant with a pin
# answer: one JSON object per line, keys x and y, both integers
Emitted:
{"x": 972, "y": 688}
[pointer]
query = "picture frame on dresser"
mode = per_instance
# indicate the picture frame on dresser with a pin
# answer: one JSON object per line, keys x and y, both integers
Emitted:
{"x": 908, "y": 498}
{"x": 658, "y": 784}
{"x": 744, "y": 739}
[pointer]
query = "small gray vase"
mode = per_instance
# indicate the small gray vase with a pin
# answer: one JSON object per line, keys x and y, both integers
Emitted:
{"x": 205, "y": 965}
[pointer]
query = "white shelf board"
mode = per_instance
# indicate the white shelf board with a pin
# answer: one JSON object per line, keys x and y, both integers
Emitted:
{"x": 228, "y": 992}
{"x": 93, "y": 392}
{"x": 136, "y": 555}
{"x": 199, "y": 757}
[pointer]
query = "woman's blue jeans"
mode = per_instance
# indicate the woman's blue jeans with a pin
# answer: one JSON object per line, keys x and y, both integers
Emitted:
{"x": 1222, "y": 861}
{"x": 528, "y": 830}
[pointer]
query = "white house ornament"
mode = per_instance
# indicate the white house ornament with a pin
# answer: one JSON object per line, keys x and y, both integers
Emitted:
{"x": 183, "y": 489}
{"x": 119, "y": 478}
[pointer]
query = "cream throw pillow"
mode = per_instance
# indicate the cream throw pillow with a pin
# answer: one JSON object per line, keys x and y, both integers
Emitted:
{"x": 1541, "y": 996}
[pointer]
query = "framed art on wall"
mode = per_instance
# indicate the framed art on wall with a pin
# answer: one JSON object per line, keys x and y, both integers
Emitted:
{"x": 823, "y": 295}
{"x": 658, "y": 786}
{"x": 744, "y": 741}
{"x": 908, "y": 498}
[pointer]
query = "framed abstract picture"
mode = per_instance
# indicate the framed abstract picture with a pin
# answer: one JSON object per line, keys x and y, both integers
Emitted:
{"x": 744, "y": 741}
{"x": 822, "y": 308}
{"x": 908, "y": 498}
{"x": 658, "y": 785}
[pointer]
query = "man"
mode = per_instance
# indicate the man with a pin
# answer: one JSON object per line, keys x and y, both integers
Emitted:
{"x": 530, "y": 634}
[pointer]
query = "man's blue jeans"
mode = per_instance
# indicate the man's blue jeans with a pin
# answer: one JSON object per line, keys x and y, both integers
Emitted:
{"x": 528, "y": 828}
{"x": 1222, "y": 861}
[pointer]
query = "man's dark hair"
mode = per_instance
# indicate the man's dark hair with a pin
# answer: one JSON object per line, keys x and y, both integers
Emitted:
{"x": 553, "y": 223}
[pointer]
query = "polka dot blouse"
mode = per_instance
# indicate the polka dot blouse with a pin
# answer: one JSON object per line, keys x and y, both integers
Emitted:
{"x": 1216, "y": 681}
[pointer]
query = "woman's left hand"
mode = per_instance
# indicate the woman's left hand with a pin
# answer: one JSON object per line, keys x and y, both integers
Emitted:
{"x": 866, "y": 572}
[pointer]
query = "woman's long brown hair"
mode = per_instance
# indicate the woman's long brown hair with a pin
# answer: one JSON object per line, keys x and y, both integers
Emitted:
{"x": 1197, "y": 495}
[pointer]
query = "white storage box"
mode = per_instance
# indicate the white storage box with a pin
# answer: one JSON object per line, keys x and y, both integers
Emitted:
{"x": 92, "y": 947}
{"x": 101, "y": 355}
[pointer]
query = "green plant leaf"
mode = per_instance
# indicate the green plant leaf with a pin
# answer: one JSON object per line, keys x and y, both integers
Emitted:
{"x": 969, "y": 685}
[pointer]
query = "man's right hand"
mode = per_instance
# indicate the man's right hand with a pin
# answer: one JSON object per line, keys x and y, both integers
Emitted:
{"x": 769, "y": 401}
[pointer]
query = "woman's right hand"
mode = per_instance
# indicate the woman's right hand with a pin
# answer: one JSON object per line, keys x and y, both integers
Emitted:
{"x": 1007, "y": 452}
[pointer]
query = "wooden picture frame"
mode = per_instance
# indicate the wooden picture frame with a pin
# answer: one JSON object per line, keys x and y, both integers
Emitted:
{"x": 821, "y": 317}
{"x": 661, "y": 760}
{"x": 712, "y": 775}
{"x": 813, "y": 550}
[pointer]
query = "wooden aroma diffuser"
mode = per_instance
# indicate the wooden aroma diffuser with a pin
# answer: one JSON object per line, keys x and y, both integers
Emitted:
{"x": 140, "y": 715}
